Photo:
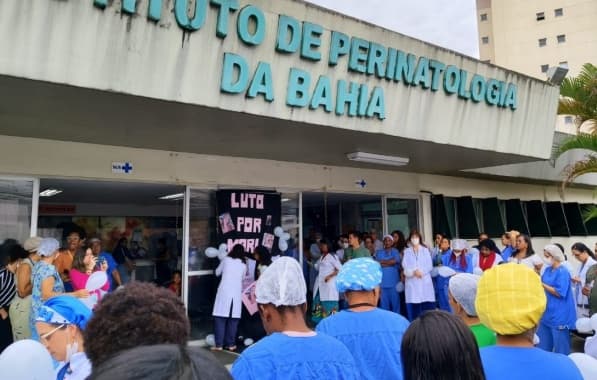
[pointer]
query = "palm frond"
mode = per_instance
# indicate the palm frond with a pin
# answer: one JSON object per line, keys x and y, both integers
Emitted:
{"x": 581, "y": 141}
{"x": 590, "y": 213}
{"x": 573, "y": 171}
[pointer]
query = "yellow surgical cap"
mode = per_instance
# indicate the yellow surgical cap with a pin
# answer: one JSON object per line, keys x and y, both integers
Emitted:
{"x": 510, "y": 299}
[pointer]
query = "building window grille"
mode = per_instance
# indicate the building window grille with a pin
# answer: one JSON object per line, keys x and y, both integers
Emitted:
{"x": 540, "y": 16}
{"x": 544, "y": 68}
{"x": 558, "y": 12}
{"x": 542, "y": 42}
{"x": 485, "y": 40}
{"x": 483, "y": 16}
{"x": 568, "y": 119}
{"x": 561, "y": 38}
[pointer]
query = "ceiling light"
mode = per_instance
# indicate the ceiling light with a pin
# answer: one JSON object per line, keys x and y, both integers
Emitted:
{"x": 377, "y": 159}
{"x": 285, "y": 199}
{"x": 49, "y": 192}
{"x": 172, "y": 197}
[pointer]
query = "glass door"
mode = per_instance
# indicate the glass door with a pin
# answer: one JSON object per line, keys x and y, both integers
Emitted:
{"x": 401, "y": 214}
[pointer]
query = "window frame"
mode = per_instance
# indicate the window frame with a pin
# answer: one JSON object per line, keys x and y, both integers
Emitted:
{"x": 540, "y": 16}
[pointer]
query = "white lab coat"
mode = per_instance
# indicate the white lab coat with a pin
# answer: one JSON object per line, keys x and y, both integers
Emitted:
{"x": 229, "y": 292}
{"x": 326, "y": 266}
{"x": 582, "y": 274}
{"x": 418, "y": 290}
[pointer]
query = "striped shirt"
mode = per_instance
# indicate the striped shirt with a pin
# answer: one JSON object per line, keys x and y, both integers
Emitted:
{"x": 7, "y": 287}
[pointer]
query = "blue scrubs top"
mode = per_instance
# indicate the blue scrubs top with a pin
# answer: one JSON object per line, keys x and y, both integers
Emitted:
{"x": 456, "y": 264}
{"x": 390, "y": 276}
{"x": 560, "y": 311}
{"x": 280, "y": 356}
{"x": 520, "y": 363}
{"x": 112, "y": 266}
{"x": 507, "y": 252}
{"x": 373, "y": 337}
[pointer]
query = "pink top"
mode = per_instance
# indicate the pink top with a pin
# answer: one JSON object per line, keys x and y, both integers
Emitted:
{"x": 79, "y": 280}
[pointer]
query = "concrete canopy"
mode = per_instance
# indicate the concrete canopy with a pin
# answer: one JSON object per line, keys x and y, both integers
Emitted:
{"x": 30, "y": 108}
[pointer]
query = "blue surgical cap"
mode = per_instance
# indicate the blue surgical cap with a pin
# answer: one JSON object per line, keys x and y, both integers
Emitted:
{"x": 64, "y": 310}
{"x": 362, "y": 274}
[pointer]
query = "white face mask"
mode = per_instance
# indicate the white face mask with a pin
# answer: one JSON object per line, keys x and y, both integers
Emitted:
{"x": 548, "y": 260}
{"x": 71, "y": 349}
{"x": 457, "y": 254}
{"x": 345, "y": 245}
{"x": 415, "y": 241}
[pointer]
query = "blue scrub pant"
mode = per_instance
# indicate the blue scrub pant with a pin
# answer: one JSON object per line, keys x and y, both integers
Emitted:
{"x": 415, "y": 309}
{"x": 554, "y": 339}
{"x": 442, "y": 294}
{"x": 225, "y": 331}
{"x": 389, "y": 299}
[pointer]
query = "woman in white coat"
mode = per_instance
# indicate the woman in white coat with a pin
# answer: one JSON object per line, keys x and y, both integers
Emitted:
{"x": 325, "y": 293}
{"x": 583, "y": 254}
{"x": 417, "y": 265}
{"x": 228, "y": 304}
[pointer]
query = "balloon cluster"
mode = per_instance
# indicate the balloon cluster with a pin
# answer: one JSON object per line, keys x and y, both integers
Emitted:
{"x": 283, "y": 238}
{"x": 220, "y": 252}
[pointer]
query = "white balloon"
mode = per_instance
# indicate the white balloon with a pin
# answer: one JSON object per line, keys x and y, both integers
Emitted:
{"x": 210, "y": 340}
{"x": 278, "y": 231}
{"x": 222, "y": 255}
{"x": 400, "y": 287}
{"x": 26, "y": 360}
{"x": 212, "y": 252}
{"x": 223, "y": 248}
{"x": 248, "y": 342}
{"x": 446, "y": 271}
{"x": 586, "y": 364}
{"x": 96, "y": 281}
{"x": 594, "y": 322}
{"x": 583, "y": 325}
{"x": 285, "y": 236}
{"x": 478, "y": 271}
{"x": 434, "y": 272}
{"x": 283, "y": 245}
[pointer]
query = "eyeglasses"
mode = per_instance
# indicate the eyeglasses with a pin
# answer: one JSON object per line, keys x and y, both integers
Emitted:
{"x": 46, "y": 336}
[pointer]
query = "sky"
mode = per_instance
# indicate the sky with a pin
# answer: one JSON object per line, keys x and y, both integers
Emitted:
{"x": 448, "y": 23}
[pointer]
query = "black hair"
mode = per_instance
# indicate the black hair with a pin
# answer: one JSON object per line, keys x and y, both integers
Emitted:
{"x": 356, "y": 234}
{"x": 11, "y": 251}
{"x": 581, "y": 247}
{"x": 527, "y": 239}
{"x": 238, "y": 252}
{"x": 427, "y": 355}
{"x": 265, "y": 256}
{"x": 489, "y": 244}
{"x": 163, "y": 361}
{"x": 79, "y": 260}
{"x": 177, "y": 272}
{"x": 401, "y": 243}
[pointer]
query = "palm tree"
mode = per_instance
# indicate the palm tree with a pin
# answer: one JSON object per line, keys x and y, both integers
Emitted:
{"x": 579, "y": 98}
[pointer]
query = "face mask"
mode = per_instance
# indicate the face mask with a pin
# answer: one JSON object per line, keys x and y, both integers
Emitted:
{"x": 548, "y": 261}
{"x": 415, "y": 241}
{"x": 457, "y": 254}
{"x": 345, "y": 245}
{"x": 71, "y": 349}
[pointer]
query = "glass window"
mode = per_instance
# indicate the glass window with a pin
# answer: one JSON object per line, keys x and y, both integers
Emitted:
{"x": 468, "y": 223}
{"x": 561, "y": 38}
{"x": 575, "y": 220}
{"x": 483, "y": 16}
{"x": 515, "y": 216}
{"x": 402, "y": 215}
{"x": 568, "y": 119}
{"x": 542, "y": 41}
{"x": 202, "y": 229}
{"x": 537, "y": 219}
{"x": 563, "y": 64}
{"x": 493, "y": 222}
{"x": 556, "y": 219}
{"x": 15, "y": 209}
{"x": 451, "y": 212}
{"x": 544, "y": 68}
{"x": 558, "y": 12}
{"x": 540, "y": 16}
{"x": 485, "y": 40}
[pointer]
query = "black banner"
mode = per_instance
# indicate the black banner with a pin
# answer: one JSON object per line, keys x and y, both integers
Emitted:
{"x": 248, "y": 217}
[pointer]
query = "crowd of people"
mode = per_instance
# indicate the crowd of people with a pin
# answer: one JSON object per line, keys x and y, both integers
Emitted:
{"x": 469, "y": 313}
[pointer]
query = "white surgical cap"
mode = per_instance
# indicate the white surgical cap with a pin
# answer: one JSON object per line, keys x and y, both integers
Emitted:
{"x": 459, "y": 244}
{"x": 587, "y": 365}
{"x": 463, "y": 287}
{"x": 26, "y": 360}
{"x": 47, "y": 247}
{"x": 555, "y": 252}
{"x": 282, "y": 284}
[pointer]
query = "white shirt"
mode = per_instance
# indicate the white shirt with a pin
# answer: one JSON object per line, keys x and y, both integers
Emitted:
{"x": 80, "y": 367}
{"x": 418, "y": 290}
{"x": 378, "y": 245}
{"x": 531, "y": 261}
{"x": 233, "y": 272}
{"x": 327, "y": 290}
